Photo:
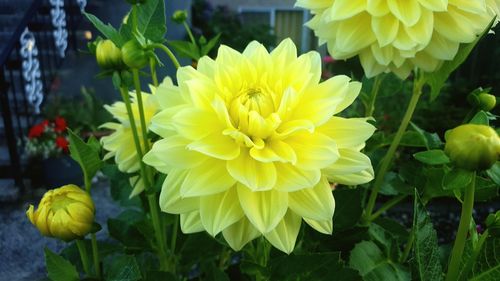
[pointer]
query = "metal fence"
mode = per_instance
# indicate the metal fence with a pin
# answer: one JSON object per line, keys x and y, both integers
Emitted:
{"x": 35, "y": 36}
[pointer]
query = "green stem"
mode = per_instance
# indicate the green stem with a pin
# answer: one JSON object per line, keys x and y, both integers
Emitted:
{"x": 95, "y": 254}
{"x": 144, "y": 128}
{"x": 168, "y": 52}
{"x": 153, "y": 205}
{"x": 463, "y": 229}
{"x": 134, "y": 17}
{"x": 387, "y": 160}
{"x": 408, "y": 246}
{"x": 152, "y": 67}
{"x": 190, "y": 34}
{"x": 475, "y": 254}
{"x": 374, "y": 94}
{"x": 389, "y": 204}
{"x": 83, "y": 255}
{"x": 173, "y": 242}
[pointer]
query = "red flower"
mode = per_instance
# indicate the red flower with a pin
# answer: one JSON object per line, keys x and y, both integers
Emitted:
{"x": 62, "y": 143}
{"x": 60, "y": 124}
{"x": 38, "y": 129}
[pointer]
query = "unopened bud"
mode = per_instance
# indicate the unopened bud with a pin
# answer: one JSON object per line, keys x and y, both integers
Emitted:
{"x": 108, "y": 55}
{"x": 487, "y": 101}
{"x": 134, "y": 55}
{"x": 180, "y": 16}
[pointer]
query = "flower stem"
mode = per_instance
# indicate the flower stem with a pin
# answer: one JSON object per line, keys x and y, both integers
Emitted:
{"x": 374, "y": 93}
{"x": 83, "y": 255}
{"x": 144, "y": 129}
{"x": 475, "y": 253}
{"x": 463, "y": 228}
{"x": 152, "y": 67}
{"x": 408, "y": 246}
{"x": 190, "y": 34}
{"x": 387, "y": 160}
{"x": 168, "y": 52}
{"x": 173, "y": 242}
{"x": 389, "y": 204}
{"x": 95, "y": 253}
{"x": 155, "y": 217}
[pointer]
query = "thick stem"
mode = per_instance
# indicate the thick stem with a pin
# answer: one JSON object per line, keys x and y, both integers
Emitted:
{"x": 144, "y": 128}
{"x": 173, "y": 242}
{"x": 168, "y": 52}
{"x": 386, "y": 162}
{"x": 95, "y": 254}
{"x": 389, "y": 204}
{"x": 83, "y": 255}
{"x": 155, "y": 217}
{"x": 463, "y": 229}
{"x": 373, "y": 94}
{"x": 152, "y": 67}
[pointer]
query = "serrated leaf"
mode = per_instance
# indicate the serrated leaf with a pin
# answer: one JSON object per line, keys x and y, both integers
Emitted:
{"x": 122, "y": 268}
{"x": 457, "y": 179}
{"x": 481, "y": 118}
{"x": 494, "y": 173}
{"x": 58, "y": 268}
{"x": 437, "y": 79}
{"x": 86, "y": 154}
{"x": 426, "y": 250}
{"x": 151, "y": 20}
{"x": 432, "y": 157}
{"x": 431, "y": 140}
{"x": 373, "y": 265}
{"x": 487, "y": 266}
{"x": 106, "y": 29}
{"x": 185, "y": 49}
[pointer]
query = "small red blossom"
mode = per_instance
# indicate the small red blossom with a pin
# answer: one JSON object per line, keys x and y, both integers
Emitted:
{"x": 62, "y": 143}
{"x": 328, "y": 59}
{"x": 60, "y": 124}
{"x": 37, "y": 130}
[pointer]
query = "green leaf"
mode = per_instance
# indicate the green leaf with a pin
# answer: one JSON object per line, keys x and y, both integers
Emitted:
{"x": 106, "y": 29}
{"x": 481, "y": 118}
{"x": 394, "y": 185}
{"x": 432, "y": 157}
{"x": 132, "y": 229}
{"x": 487, "y": 266}
{"x": 58, "y": 268}
{"x": 151, "y": 20}
{"x": 373, "y": 265}
{"x": 206, "y": 48}
{"x": 494, "y": 173}
{"x": 457, "y": 179}
{"x": 160, "y": 275}
{"x": 431, "y": 140}
{"x": 120, "y": 186}
{"x": 317, "y": 266}
{"x": 86, "y": 154}
{"x": 437, "y": 79}
{"x": 425, "y": 249}
{"x": 122, "y": 268}
{"x": 348, "y": 209}
{"x": 185, "y": 49}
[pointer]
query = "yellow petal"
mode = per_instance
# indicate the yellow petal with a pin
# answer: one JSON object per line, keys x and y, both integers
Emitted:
{"x": 407, "y": 11}
{"x": 351, "y": 161}
{"x": 343, "y": 9}
{"x": 378, "y": 8}
{"x": 284, "y": 236}
{"x": 435, "y": 5}
{"x": 353, "y": 35}
{"x": 314, "y": 203}
{"x": 264, "y": 209}
{"x": 385, "y": 28}
{"x": 347, "y": 132}
{"x": 352, "y": 93}
{"x": 216, "y": 145}
{"x": 191, "y": 222}
{"x": 252, "y": 173}
{"x": 353, "y": 179}
{"x": 240, "y": 233}
{"x": 421, "y": 32}
{"x": 208, "y": 178}
{"x": 291, "y": 178}
{"x": 195, "y": 124}
{"x": 314, "y": 151}
{"x": 325, "y": 227}
{"x": 170, "y": 195}
{"x": 137, "y": 186}
{"x": 173, "y": 151}
{"x": 274, "y": 150}
{"x": 220, "y": 210}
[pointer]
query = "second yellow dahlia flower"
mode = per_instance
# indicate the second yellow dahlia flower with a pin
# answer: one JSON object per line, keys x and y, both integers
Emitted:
{"x": 250, "y": 144}
{"x": 120, "y": 144}
{"x": 398, "y": 35}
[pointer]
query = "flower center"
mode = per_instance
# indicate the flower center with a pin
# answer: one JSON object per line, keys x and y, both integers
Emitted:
{"x": 60, "y": 202}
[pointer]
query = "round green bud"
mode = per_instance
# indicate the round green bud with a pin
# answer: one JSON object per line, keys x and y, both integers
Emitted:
{"x": 108, "y": 56}
{"x": 487, "y": 101}
{"x": 472, "y": 147}
{"x": 134, "y": 55}
{"x": 180, "y": 16}
{"x": 136, "y": 2}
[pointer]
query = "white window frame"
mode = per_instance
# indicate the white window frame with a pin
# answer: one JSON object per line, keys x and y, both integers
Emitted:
{"x": 306, "y": 16}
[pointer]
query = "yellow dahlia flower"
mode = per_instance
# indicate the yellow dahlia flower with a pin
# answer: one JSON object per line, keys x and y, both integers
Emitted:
{"x": 250, "y": 144}
{"x": 120, "y": 144}
{"x": 66, "y": 213}
{"x": 398, "y": 35}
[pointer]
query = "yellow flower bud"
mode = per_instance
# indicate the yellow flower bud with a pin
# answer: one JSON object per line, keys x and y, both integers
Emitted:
{"x": 473, "y": 147}
{"x": 65, "y": 213}
{"x": 108, "y": 55}
{"x": 487, "y": 101}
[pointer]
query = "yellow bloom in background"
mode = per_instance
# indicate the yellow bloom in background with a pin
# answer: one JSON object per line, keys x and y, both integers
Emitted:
{"x": 66, "y": 213}
{"x": 250, "y": 144}
{"x": 398, "y": 35}
{"x": 120, "y": 144}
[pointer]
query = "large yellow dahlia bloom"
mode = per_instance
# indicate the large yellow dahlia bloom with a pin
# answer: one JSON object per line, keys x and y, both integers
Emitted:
{"x": 120, "y": 144}
{"x": 398, "y": 35}
{"x": 250, "y": 144}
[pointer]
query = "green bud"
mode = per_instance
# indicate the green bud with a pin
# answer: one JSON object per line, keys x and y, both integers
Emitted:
{"x": 134, "y": 55}
{"x": 493, "y": 223}
{"x": 108, "y": 55}
{"x": 472, "y": 147}
{"x": 180, "y": 16}
{"x": 487, "y": 101}
{"x": 136, "y": 2}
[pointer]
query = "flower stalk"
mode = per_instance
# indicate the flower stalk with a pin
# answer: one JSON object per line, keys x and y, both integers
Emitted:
{"x": 83, "y": 255}
{"x": 168, "y": 52}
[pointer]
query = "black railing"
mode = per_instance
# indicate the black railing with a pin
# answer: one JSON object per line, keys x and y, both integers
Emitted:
{"x": 29, "y": 58}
